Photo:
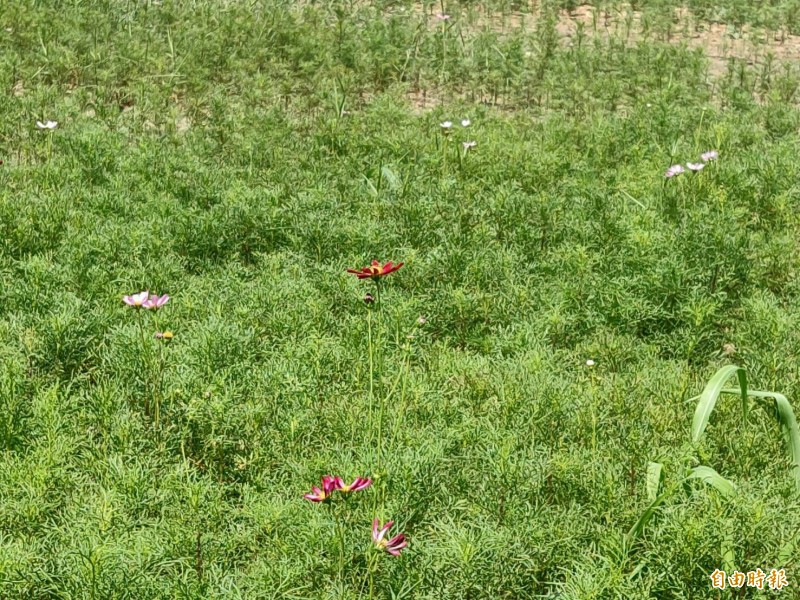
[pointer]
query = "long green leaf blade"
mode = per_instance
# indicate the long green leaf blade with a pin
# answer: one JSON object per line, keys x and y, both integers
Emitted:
{"x": 708, "y": 400}
{"x": 711, "y": 477}
{"x": 642, "y": 522}
{"x": 743, "y": 388}
{"x": 789, "y": 426}
{"x": 653, "y": 482}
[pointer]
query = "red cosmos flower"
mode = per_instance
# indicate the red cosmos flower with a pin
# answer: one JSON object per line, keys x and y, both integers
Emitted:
{"x": 375, "y": 270}
{"x": 359, "y": 483}
{"x": 329, "y": 485}
{"x": 392, "y": 546}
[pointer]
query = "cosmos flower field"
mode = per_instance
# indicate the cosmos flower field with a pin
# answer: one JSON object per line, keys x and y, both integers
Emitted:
{"x": 469, "y": 300}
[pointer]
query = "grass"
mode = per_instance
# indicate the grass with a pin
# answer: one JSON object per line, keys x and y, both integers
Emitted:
{"x": 240, "y": 156}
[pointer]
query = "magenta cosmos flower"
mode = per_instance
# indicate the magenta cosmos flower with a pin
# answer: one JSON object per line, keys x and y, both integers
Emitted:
{"x": 392, "y": 546}
{"x": 329, "y": 485}
{"x": 710, "y": 155}
{"x": 136, "y": 300}
{"x": 155, "y": 302}
{"x": 674, "y": 170}
{"x": 359, "y": 483}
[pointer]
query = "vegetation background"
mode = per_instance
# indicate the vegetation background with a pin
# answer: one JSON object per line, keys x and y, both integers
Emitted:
{"x": 240, "y": 155}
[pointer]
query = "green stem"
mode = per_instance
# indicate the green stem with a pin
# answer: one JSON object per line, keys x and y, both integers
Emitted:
{"x": 371, "y": 365}
{"x": 371, "y": 572}
{"x": 379, "y": 308}
{"x": 158, "y": 385}
{"x": 340, "y": 535}
{"x": 145, "y": 355}
{"x": 594, "y": 427}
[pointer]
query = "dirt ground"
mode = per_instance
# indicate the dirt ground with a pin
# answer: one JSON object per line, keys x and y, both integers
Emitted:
{"x": 720, "y": 42}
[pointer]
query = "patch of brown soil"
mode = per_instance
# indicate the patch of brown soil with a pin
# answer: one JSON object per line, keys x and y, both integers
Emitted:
{"x": 720, "y": 42}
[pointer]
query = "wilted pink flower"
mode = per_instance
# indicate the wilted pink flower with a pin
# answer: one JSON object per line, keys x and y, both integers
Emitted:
{"x": 468, "y": 145}
{"x": 710, "y": 155}
{"x": 155, "y": 302}
{"x": 392, "y": 546}
{"x": 136, "y": 300}
{"x": 359, "y": 483}
{"x": 674, "y": 170}
{"x": 329, "y": 485}
{"x": 695, "y": 166}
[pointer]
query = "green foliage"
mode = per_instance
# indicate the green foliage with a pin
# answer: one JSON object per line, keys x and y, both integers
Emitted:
{"x": 239, "y": 156}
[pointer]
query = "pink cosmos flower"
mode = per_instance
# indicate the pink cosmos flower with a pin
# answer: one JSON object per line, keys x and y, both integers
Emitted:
{"x": 695, "y": 166}
{"x": 392, "y": 546}
{"x": 329, "y": 485}
{"x": 674, "y": 170}
{"x": 442, "y": 17}
{"x": 468, "y": 145}
{"x": 136, "y": 300}
{"x": 359, "y": 483}
{"x": 155, "y": 302}
{"x": 710, "y": 155}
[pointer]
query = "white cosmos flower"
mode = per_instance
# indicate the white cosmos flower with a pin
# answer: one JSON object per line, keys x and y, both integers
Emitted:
{"x": 465, "y": 122}
{"x": 46, "y": 125}
{"x": 446, "y": 124}
{"x": 590, "y": 363}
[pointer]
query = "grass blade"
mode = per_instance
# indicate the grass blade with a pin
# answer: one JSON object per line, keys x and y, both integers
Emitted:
{"x": 789, "y": 427}
{"x": 708, "y": 399}
{"x": 653, "y": 481}
{"x": 711, "y": 477}
{"x": 743, "y": 388}
{"x": 642, "y": 522}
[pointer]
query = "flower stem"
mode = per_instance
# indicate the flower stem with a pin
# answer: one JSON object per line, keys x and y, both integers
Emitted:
{"x": 593, "y": 396}
{"x": 371, "y": 365}
{"x": 340, "y": 535}
{"x": 371, "y": 573}
{"x": 379, "y": 308}
{"x": 158, "y": 385}
{"x": 146, "y": 361}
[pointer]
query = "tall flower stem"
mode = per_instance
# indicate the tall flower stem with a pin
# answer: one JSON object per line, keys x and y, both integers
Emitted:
{"x": 340, "y": 536}
{"x": 145, "y": 354}
{"x": 382, "y": 406}
{"x": 371, "y": 363}
{"x": 371, "y": 563}
{"x": 593, "y": 397}
{"x": 157, "y": 383}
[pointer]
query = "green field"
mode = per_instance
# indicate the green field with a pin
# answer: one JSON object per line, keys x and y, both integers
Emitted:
{"x": 240, "y": 156}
